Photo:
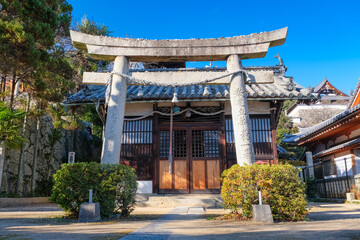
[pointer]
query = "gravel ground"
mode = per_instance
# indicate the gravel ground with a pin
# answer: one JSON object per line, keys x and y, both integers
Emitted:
{"x": 325, "y": 221}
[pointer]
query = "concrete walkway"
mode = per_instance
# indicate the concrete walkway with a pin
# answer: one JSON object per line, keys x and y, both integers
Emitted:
{"x": 326, "y": 221}
{"x": 155, "y": 230}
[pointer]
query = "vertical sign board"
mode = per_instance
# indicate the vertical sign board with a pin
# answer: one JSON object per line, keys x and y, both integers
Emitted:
{"x": 71, "y": 157}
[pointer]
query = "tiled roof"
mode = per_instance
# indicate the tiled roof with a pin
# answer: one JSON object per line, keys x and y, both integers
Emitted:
{"x": 355, "y": 94}
{"x": 320, "y": 85}
{"x": 276, "y": 90}
{"x": 304, "y": 132}
{"x": 323, "y": 83}
{"x": 338, "y": 147}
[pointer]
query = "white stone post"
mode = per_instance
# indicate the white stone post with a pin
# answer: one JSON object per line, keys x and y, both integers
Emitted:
{"x": 115, "y": 113}
{"x": 240, "y": 114}
{"x": 17, "y": 87}
{"x": 2, "y": 160}
{"x": 310, "y": 164}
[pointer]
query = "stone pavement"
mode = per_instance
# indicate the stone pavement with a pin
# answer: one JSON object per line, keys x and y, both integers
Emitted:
{"x": 326, "y": 221}
{"x": 154, "y": 230}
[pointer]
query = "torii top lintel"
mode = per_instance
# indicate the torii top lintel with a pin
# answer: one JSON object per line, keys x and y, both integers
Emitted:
{"x": 215, "y": 49}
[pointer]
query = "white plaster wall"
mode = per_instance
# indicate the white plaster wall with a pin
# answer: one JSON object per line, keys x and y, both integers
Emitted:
{"x": 296, "y": 111}
{"x": 144, "y": 187}
{"x": 138, "y": 109}
{"x": 206, "y": 104}
{"x": 296, "y": 119}
{"x": 168, "y": 104}
{"x": 340, "y": 163}
{"x": 255, "y": 107}
{"x": 357, "y": 160}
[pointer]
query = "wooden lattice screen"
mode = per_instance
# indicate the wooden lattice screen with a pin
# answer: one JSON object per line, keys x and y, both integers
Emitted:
{"x": 137, "y": 147}
{"x": 205, "y": 143}
{"x": 179, "y": 143}
{"x": 261, "y": 136}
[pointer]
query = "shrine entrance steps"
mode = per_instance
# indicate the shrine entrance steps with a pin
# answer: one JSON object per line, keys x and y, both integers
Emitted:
{"x": 179, "y": 200}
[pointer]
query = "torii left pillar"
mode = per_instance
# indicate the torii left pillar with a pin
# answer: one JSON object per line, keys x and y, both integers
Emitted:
{"x": 115, "y": 113}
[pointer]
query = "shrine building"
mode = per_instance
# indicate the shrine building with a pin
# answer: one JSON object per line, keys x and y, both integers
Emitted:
{"x": 181, "y": 127}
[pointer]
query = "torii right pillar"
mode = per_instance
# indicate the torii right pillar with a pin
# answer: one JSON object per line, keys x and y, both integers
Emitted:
{"x": 240, "y": 113}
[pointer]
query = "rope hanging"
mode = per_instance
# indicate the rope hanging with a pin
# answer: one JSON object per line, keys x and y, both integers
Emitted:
{"x": 171, "y": 140}
{"x": 134, "y": 80}
{"x": 138, "y": 81}
{"x": 169, "y": 114}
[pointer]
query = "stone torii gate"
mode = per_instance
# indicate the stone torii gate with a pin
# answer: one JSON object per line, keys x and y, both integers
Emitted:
{"x": 233, "y": 50}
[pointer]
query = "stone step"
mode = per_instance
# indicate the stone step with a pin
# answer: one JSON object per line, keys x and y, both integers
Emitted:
{"x": 184, "y": 196}
{"x": 179, "y": 202}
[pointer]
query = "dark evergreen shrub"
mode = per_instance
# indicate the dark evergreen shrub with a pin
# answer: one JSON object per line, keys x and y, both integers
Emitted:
{"x": 114, "y": 187}
{"x": 281, "y": 188}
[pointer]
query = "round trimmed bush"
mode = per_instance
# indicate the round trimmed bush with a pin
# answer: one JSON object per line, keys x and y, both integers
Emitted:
{"x": 281, "y": 188}
{"x": 114, "y": 187}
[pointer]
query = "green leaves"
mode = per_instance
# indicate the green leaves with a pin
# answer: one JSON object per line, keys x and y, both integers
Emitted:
{"x": 286, "y": 126}
{"x": 29, "y": 30}
{"x": 281, "y": 188}
{"x": 10, "y": 126}
{"x": 93, "y": 28}
{"x": 114, "y": 187}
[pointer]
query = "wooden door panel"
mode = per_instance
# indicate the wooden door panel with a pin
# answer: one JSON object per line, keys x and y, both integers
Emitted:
{"x": 165, "y": 178}
{"x": 198, "y": 174}
{"x": 213, "y": 174}
{"x": 196, "y": 161}
{"x": 180, "y": 172}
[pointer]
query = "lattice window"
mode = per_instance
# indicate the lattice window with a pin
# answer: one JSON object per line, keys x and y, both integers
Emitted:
{"x": 179, "y": 143}
{"x": 261, "y": 129}
{"x": 261, "y": 136}
{"x": 205, "y": 143}
{"x": 164, "y": 143}
{"x": 136, "y": 147}
{"x": 137, "y": 132}
{"x": 229, "y": 131}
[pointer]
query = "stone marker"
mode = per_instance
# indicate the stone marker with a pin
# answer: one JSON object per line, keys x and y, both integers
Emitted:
{"x": 357, "y": 180}
{"x": 262, "y": 213}
{"x": 89, "y": 212}
{"x": 350, "y": 197}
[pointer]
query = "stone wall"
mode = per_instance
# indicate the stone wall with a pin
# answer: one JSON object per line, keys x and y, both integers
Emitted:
{"x": 49, "y": 156}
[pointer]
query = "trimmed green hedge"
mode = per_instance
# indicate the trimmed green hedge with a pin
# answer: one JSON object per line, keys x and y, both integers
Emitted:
{"x": 281, "y": 188}
{"x": 114, "y": 187}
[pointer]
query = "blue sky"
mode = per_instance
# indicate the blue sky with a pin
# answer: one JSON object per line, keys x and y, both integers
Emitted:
{"x": 323, "y": 38}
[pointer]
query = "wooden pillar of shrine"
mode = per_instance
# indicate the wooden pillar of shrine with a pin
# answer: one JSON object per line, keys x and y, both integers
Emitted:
{"x": 115, "y": 113}
{"x": 240, "y": 113}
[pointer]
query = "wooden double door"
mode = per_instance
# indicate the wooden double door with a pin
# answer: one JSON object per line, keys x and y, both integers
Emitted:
{"x": 196, "y": 162}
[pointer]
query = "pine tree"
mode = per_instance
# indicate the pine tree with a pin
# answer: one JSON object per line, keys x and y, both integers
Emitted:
{"x": 28, "y": 50}
{"x": 285, "y": 126}
{"x": 82, "y": 62}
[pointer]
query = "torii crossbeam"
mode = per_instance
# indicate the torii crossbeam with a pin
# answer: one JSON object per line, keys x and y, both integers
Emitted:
{"x": 233, "y": 50}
